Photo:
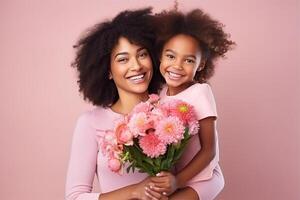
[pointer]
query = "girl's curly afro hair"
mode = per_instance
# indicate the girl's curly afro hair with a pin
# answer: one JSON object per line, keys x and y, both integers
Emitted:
{"x": 209, "y": 33}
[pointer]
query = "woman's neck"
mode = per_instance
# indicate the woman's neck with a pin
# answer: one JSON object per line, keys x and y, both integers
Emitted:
{"x": 126, "y": 102}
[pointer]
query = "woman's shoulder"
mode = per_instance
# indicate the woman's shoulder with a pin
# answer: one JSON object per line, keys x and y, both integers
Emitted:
{"x": 96, "y": 117}
{"x": 92, "y": 113}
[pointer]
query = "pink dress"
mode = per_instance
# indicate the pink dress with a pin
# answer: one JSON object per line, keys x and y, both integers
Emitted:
{"x": 209, "y": 182}
{"x": 86, "y": 160}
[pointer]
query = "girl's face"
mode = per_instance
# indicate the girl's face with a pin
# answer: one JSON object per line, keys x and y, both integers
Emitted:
{"x": 131, "y": 67}
{"x": 180, "y": 59}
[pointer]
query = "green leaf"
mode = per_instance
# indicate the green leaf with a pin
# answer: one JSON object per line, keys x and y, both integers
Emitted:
{"x": 149, "y": 160}
{"x": 170, "y": 155}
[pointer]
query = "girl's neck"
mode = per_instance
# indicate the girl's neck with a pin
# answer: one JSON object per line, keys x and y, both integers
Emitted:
{"x": 171, "y": 91}
{"x": 126, "y": 102}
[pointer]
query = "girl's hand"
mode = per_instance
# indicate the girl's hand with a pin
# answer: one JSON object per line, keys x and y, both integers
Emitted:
{"x": 164, "y": 182}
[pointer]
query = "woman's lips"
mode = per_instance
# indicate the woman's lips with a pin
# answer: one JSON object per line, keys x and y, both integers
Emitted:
{"x": 139, "y": 78}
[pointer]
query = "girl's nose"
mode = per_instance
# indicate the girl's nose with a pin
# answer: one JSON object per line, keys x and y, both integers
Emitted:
{"x": 178, "y": 64}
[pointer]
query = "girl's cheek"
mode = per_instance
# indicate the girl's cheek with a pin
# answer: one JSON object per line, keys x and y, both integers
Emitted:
{"x": 165, "y": 63}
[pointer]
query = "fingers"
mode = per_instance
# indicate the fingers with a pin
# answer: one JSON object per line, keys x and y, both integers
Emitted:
{"x": 160, "y": 179}
{"x": 159, "y": 189}
{"x": 153, "y": 195}
{"x": 163, "y": 173}
{"x": 162, "y": 182}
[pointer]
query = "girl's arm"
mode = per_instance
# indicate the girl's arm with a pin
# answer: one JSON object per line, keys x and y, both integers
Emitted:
{"x": 206, "y": 154}
{"x": 166, "y": 182}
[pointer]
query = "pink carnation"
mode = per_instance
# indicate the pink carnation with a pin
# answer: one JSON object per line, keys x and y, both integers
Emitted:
{"x": 123, "y": 135}
{"x": 153, "y": 98}
{"x": 170, "y": 130}
{"x": 152, "y": 146}
{"x": 156, "y": 116}
{"x": 143, "y": 107}
{"x": 139, "y": 124}
{"x": 193, "y": 127}
{"x": 107, "y": 141}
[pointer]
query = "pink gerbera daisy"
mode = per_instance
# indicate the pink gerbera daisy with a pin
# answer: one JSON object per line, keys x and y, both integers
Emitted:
{"x": 182, "y": 110}
{"x": 152, "y": 146}
{"x": 170, "y": 130}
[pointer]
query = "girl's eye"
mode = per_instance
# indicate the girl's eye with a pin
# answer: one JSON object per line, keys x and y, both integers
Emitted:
{"x": 170, "y": 56}
{"x": 189, "y": 61}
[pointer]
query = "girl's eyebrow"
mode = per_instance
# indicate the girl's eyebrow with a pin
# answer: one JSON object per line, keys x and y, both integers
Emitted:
{"x": 172, "y": 51}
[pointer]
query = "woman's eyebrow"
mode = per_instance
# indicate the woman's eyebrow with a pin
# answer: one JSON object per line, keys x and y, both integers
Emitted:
{"x": 140, "y": 49}
{"x": 121, "y": 53}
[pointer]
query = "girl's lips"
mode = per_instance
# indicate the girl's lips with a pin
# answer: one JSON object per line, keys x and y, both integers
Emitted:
{"x": 174, "y": 76}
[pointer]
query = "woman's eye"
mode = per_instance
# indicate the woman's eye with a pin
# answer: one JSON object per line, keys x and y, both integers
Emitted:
{"x": 143, "y": 54}
{"x": 122, "y": 60}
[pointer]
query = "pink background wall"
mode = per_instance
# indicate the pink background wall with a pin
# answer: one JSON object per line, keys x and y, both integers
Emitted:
{"x": 255, "y": 88}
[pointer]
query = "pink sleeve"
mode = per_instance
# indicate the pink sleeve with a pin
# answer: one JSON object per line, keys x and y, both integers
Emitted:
{"x": 204, "y": 101}
{"x": 83, "y": 161}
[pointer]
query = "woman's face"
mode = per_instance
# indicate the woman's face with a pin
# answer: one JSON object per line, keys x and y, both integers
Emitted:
{"x": 180, "y": 59}
{"x": 131, "y": 67}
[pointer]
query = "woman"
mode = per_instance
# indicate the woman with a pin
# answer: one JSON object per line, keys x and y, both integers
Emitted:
{"x": 116, "y": 70}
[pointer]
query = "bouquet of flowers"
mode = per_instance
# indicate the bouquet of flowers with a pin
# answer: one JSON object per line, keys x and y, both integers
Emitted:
{"x": 151, "y": 138}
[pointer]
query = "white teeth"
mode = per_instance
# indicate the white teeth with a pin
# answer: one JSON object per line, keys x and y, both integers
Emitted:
{"x": 137, "y": 77}
{"x": 174, "y": 75}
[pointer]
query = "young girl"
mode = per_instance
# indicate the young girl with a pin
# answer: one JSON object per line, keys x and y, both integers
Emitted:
{"x": 188, "y": 46}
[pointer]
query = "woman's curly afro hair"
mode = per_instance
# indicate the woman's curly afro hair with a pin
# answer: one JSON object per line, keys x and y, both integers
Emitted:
{"x": 94, "y": 49}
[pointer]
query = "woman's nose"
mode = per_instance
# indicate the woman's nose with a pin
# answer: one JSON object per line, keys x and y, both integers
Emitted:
{"x": 135, "y": 65}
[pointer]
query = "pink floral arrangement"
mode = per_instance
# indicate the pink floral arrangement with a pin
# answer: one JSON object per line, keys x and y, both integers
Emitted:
{"x": 151, "y": 138}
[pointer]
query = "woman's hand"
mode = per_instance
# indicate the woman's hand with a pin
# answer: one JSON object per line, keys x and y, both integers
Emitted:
{"x": 163, "y": 182}
{"x": 143, "y": 192}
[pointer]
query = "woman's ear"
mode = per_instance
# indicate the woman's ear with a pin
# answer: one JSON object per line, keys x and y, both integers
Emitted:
{"x": 110, "y": 76}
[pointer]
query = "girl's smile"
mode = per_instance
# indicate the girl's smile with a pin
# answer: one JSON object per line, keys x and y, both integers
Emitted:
{"x": 180, "y": 59}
